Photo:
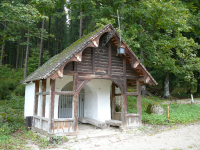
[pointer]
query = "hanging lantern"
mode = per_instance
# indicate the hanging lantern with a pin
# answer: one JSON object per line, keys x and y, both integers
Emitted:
{"x": 120, "y": 50}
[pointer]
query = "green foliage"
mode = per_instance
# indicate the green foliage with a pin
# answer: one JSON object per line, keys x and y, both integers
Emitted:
{"x": 132, "y": 104}
{"x": 9, "y": 80}
{"x": 34, "y": 59}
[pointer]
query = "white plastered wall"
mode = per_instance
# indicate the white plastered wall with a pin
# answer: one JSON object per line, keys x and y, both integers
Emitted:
{"x": 60, "y": 83}
{"x": 29, "y": 99}
{"x": 97, "y": 98}
{"x": 102, "y": 89}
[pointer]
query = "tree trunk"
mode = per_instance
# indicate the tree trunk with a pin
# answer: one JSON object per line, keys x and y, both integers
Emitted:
{"x": 71, "y": 35}
{"x": 49, "y": 34}
{"x": 41, "y": 43}
{"x": 56, "y": 39}
{"x": 198, "y": 85}
{"x": 81, "y": 25}
{"x": 17, "y": 58}
{"x": 3, "y": 47}
{"x": 27, "y": 55}
{"x": 166, "y": 86}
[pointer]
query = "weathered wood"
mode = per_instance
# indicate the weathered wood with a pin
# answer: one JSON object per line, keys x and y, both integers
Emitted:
{"x": 43, "y": 97}
{"x": 132, "y": 93}
{"x": 42, "y": 118}
{"x": 36, "y": 97}
{"x": 124, "y": 109}
{"x": 75, "y": 123}
{"x": 51, "y": 120}
{"x": 109, "y": 58}
{"x": 93, "y": 59}
{"x": 139, "y": 106}
{"x": 42, "y": 93}
{"x": 64, "y": 92}
{"x": 65, "y": 119}
{"x": 113, "y": 122}
{"x": 94, "y": 122}
{"x": 118, "y": 94}
{"x": 124, "y": 66}
{"x": 132, "y": 115}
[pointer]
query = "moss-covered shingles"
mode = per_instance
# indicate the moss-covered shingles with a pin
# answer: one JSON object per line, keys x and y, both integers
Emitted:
{"x": 56, "y": 61}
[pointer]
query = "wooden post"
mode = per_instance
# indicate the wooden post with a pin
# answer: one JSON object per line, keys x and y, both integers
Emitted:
{"x": 36, "y": 97}
{"x": 75, "y": 102}
{"x": 93, "y": 60}
{"x": 109, "y": 58}
{"x": 124, "y": 66}
{"x": 139, "y": 106}
{"x": 51, "y": 113}
{"x": 113, "y": 101}
{"x": 124, "y": 106}
{"x": 43, "y": 97}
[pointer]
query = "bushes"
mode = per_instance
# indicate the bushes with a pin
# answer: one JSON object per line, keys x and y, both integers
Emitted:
{"x": 9, "y": 81}
{"x": 12, "y": 114}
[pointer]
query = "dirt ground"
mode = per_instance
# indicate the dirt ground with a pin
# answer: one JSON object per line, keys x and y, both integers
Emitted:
{"x": 147, "y": 137}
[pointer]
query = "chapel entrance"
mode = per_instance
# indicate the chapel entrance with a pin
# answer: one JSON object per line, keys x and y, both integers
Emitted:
{"x": 65, "y": 104}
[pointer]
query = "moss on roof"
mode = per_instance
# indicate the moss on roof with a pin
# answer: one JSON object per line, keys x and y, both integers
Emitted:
{"x": 56, "y": 61}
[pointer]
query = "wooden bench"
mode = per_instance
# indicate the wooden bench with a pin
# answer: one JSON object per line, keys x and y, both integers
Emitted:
{"x": 113, "y": 122}
{"x": 94, "y": 122}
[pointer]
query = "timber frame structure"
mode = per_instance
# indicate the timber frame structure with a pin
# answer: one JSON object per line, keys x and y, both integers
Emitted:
{"x": 92, "y": 57}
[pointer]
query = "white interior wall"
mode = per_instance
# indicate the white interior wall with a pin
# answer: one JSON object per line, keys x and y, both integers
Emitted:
{"x": 102, "y": 88}
{"x": 60, "y": 83}
{"x": 29, "y": 99}
{"x": 97, "y": 99}
{"x": 90, "y": 103}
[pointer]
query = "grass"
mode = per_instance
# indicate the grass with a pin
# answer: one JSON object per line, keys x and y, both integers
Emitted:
{"x": 178, "y": 113}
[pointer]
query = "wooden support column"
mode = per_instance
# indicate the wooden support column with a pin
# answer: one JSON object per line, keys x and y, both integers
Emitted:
{"x": 139, "y": 105}
{"x": 36, "y": 97}
{"x": 124, "y": 105}
{"x": 43, "y": 97}
{"x": 93, "y": 60}
{"x": 109, "y": 58}
{"x": 124, "y": 66}
{"x": 51, "y": 113}
{"x": 75, "y": 102}
{"x": 113, "y": 100}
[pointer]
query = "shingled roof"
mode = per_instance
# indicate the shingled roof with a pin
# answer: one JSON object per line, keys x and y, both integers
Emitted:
{"x": 58, "y": 60}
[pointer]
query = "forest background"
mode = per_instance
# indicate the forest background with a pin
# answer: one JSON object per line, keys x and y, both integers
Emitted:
{"x": 164, "y": 34}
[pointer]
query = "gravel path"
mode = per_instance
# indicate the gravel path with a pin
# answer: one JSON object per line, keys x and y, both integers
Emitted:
{"x": 146, "y": 138}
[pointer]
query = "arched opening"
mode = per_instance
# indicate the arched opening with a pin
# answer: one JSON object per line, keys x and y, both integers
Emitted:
{"x": 65, "y": 103}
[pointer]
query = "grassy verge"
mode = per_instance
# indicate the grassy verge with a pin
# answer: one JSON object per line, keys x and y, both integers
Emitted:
{"x": 178, "y": 113}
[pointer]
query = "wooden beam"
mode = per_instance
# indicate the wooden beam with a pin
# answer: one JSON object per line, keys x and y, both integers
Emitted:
{"x": 109, "y": 58}
{"x": 139, "y": 105}
{"x": 93, "y": 60}
{"x": 124, "y": 66}
{"x": 132, "y": 93}
{"x": 118, "y": 94}
{"x": 42, "y": 93}
{"x": 43, "y": 97}
{"x": 64, "y": 92}
{"x": 65, "y": 119}
{"x": 36, "y": 97}
{"x": 124, "y": 109}
{"x": 51, "y": 120}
